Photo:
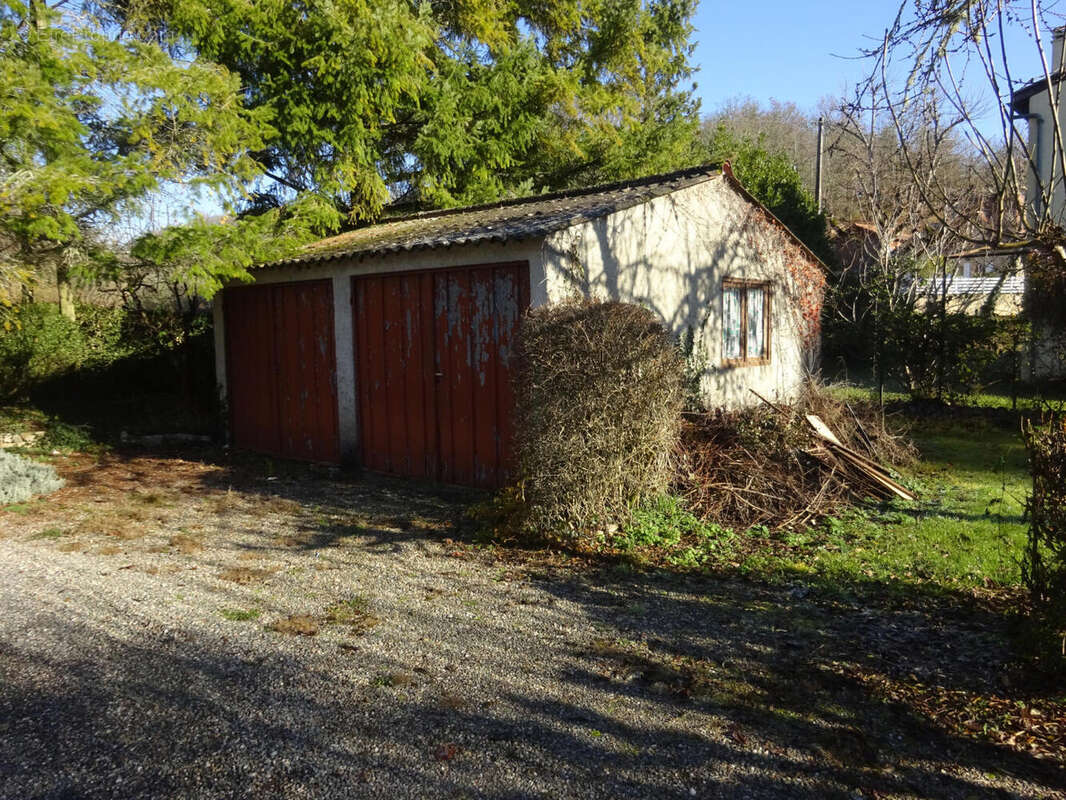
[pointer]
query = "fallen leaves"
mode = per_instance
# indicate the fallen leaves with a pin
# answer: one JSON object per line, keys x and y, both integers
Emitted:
{"x": 1036, "y": 727}
{"x": 447, "y": 751}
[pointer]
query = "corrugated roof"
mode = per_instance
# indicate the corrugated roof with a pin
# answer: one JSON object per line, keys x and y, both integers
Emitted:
{"x": 510, "y": 220}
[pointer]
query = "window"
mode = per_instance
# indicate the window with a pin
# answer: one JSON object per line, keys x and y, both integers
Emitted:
{"x": 745, "y": 322}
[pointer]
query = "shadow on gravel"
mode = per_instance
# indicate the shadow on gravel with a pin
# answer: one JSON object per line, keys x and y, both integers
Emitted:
{"x": 753, "y": 696}
{"x": 794, "y": 672}
{"x": 756, "y": 691}
{"x": 328, "y": 504}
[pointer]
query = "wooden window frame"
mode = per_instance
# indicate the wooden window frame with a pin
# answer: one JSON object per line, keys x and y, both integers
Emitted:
{"x": 744, "y": 285}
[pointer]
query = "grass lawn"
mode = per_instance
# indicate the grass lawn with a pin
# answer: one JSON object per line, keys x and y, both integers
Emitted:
{"x": 967, "y": 527}
{"x": 965, "y": 531}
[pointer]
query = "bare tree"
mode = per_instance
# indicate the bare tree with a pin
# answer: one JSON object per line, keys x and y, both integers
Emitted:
{"x": 892, "y": 243}
{"x": 953, "y": 55}
{"x": 780, "y": 127}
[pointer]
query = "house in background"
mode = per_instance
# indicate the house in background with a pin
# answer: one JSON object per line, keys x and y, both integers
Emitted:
{"x": 1046, "y": 184}
{"x": 992, "y": 284}
{"x": 392, "y": 345}
{"x": 1033, "y": 103}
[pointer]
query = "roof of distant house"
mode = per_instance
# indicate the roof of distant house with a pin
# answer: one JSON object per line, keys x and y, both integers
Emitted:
{"x": 1019, "y": 99}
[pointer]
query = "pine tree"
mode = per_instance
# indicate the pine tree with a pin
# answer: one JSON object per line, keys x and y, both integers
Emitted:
{"x": 91, "y": 122}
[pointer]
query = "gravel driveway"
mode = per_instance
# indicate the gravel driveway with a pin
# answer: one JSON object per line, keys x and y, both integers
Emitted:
{"x": 165, "y": 635}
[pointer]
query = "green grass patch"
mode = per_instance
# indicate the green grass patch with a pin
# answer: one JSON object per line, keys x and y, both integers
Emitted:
{"x": 966, "y": 530}
{"x": 240, "y": 614}
{"x": 50, "y": 533}
{"x": 1027, "y": 397}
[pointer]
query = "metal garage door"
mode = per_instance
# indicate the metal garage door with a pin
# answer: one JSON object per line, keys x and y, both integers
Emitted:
{"x": 281, "y": 369}
{"x": 433, "y": 355}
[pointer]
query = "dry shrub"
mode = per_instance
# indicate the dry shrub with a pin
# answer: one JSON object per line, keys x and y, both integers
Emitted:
{"x": 296, "y": 625}
{"x": 116, "y": 524}
{"x": 1044, "y": 563}
{"x": 185, "y": 544}
{"x": 226, "y": 502}
{"x": 745, "y": 468}
{"x": 599, "y": 397}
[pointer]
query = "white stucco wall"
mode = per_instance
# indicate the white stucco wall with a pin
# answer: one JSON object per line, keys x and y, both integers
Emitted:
{"x": 672, "y": 255}
{"x": 1046, "y": 156}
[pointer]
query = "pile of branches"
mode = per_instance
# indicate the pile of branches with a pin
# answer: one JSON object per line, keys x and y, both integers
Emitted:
{"x": 765, "y": 466}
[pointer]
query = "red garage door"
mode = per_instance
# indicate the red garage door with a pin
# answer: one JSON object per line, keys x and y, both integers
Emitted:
{"x": 281, "y": 369}
{"x": 433, "y": 355}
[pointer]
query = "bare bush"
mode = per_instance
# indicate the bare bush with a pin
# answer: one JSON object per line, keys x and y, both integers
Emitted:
{"x": 599, "y": 400}
{"x": 1044, "y": 563}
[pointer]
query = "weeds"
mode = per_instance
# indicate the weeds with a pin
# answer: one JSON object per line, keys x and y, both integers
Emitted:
{"x": 66, "y": 438}
{"x": 392, "y": 679}
{"x": 354, "y": 614}
{"x": 50, "y": 533}
{"x": 240, "y": 614}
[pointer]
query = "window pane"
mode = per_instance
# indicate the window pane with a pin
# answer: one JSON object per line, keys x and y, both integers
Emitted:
{"x": 731, "y": 323}
{"x": 756, "y": 323}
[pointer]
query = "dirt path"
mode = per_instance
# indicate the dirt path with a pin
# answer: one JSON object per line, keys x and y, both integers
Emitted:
{"x": 153, "y": 642}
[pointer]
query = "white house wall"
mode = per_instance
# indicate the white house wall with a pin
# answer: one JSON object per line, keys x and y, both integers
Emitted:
{"x": 1046, "y": 156}
{"x": 671, "y": 255}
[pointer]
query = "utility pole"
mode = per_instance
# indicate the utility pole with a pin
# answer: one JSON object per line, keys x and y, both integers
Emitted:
{"x": 818, "y": 165}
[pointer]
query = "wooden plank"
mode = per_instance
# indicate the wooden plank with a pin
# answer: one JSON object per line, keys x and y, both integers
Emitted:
{"x": 460, "y": 382}
{"x": 822, "y": 429}
{"x": 430, "y": 421}
{"x": 282, "y": 395}
{"x": 443, "y": 375}
{"x": 507, "y": 313}
{"x": 484, "y": 356}
{"x": 361, "y": 333}
{"x": 394, "y": 367}
{"x": 413, "y": 376}
{"x": 871, "y": 469}
{"x": 376, "y": 429}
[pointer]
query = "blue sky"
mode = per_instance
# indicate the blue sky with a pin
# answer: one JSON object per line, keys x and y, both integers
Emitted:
{"x": 797, "y": 51}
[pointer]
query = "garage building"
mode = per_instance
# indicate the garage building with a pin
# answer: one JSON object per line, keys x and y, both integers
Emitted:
{"x": 392, "y": 346}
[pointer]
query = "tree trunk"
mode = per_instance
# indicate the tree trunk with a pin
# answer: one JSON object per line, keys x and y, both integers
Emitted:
{"x": 66, "y": 294}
